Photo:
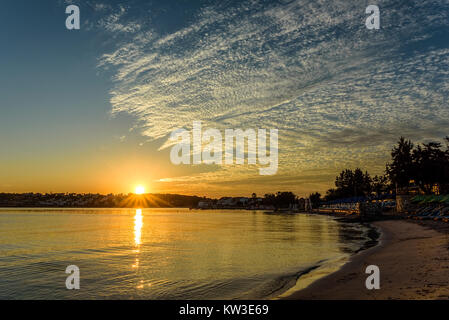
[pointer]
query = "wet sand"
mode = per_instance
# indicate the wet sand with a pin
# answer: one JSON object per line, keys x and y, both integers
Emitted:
{"x": 413, "y": 261}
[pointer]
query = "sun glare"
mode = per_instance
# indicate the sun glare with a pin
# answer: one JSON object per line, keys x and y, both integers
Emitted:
{"x": 140, "y": 190}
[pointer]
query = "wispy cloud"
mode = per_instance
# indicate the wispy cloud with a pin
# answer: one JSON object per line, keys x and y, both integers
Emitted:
{"x": 113, "y": 22}
{"x": 337, "y": 92}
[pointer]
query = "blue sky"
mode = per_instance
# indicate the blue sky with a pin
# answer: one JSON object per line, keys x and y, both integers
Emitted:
{"x": 105, "y": 98}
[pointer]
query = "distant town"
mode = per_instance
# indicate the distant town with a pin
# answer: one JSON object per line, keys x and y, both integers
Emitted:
{"x": 89, "y": 200}
{"x": 131, "y": 200}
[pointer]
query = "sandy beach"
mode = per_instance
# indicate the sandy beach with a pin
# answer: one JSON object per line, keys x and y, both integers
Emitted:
{"x": 413, "y": 261}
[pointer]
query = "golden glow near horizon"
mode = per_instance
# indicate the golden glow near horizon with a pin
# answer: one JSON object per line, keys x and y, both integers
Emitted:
{"x": 140, "y": 189}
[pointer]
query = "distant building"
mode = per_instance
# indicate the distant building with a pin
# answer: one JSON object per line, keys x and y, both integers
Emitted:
{"x": 225, "y": 202}
{"x": 233, "y": 202}
{"x": 205, "y": 204}
{"x": 243, "y": 201}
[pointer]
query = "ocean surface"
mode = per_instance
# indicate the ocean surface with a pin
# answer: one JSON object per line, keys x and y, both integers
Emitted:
{"x": 167, "y": 253}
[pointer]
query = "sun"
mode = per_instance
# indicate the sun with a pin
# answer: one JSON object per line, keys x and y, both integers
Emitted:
{"x": 140, "y": 190}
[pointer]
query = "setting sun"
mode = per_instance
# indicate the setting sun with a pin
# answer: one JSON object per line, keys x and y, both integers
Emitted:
{"x": 140, "y": 190}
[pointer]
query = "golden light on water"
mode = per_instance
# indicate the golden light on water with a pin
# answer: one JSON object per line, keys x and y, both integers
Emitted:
{"x": 138, "y": 223}
{"x": 136, "y": 263}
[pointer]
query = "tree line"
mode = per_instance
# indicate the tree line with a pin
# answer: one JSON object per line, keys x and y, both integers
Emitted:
{"x": 423, "y": 166}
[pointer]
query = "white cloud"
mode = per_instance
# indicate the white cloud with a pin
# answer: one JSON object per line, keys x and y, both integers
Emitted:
{"x": 113, "y": 22}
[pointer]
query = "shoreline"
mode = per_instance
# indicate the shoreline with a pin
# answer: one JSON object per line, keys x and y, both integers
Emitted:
{"x": 413, "y": 261}
{"x": 322, "y": 270}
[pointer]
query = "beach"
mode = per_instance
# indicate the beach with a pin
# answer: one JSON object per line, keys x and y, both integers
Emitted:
{"x": 413, "y": 260}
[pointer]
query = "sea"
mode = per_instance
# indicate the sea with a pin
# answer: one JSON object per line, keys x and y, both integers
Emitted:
{"x": 170, "y": 253}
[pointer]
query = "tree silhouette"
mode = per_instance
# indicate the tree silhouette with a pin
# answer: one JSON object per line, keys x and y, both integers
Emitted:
{"x": 401, "y": 169}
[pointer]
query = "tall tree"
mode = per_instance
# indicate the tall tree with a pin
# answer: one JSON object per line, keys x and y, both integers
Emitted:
{"x": 315, "y": 199}
{"x": 430, "y": 164}
{"x": 401, "y": 168}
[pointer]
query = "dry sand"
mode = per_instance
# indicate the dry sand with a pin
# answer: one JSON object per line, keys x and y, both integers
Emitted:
{"x": 413, "y": 262}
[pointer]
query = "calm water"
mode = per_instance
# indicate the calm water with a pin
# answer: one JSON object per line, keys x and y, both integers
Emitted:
{"x": 164, "y": 253}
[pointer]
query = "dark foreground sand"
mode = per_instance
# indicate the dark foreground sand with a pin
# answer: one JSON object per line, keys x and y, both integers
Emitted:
{"x": 413, "y": 262}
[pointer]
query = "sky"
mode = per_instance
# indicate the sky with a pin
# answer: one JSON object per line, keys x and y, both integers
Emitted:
{"x": 92, "y": 110}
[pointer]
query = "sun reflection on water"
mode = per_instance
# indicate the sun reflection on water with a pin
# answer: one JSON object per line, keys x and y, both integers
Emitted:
{"x": 138, "y": 227}
{"x": 138, "y": 223}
